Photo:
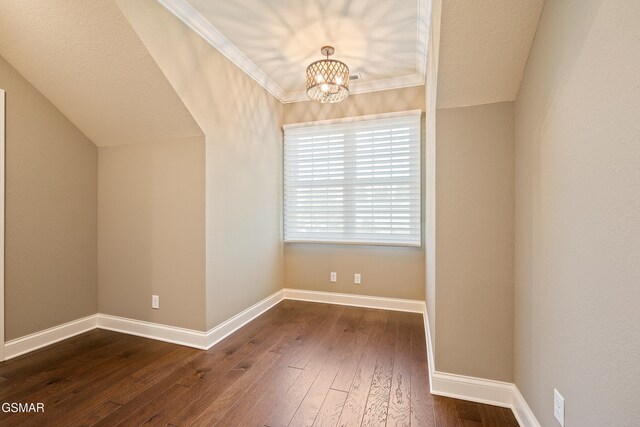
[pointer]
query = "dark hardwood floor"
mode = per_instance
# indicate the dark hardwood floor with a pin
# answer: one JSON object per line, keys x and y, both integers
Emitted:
{"x": 299, "y": 364}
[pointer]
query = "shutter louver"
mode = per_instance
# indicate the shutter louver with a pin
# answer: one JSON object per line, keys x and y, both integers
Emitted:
{"x": 355, "y": 181}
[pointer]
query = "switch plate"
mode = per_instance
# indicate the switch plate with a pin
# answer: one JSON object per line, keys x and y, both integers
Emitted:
{"x": 357, "y": 278}
{"x": 334, "y": 276}
{"x": 155, "y": 301}
{"x": 558, "y": 407}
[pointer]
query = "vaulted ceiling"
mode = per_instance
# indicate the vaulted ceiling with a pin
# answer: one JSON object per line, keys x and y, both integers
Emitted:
{"x": 87, "y": 60}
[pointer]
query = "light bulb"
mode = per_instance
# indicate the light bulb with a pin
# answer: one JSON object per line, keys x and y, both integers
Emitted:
{"x": 324, "y": 87}
{"x": 319, "y": 78}
{"x": 339, "y": 80}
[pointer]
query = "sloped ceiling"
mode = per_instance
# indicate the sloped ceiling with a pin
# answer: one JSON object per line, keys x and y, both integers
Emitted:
{"x": 484, "y": 46}
{"x": 87, "y": 60}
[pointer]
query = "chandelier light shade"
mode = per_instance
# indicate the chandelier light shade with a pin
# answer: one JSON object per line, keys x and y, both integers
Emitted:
{"x": 327, "y": 79}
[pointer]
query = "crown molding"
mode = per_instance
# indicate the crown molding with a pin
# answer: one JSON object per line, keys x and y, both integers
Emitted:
{"x": 183, "y": 10}
{"x": 364, "y": 87}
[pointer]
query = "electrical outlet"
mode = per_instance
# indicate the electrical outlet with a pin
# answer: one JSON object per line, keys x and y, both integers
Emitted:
{"x": 558, "y": 407}
{"x": 155, "y": 301}
{"x": 357, "y": 279}
{"x": 334, "y": 276}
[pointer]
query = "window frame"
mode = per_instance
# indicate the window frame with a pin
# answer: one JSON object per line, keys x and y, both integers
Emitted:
{"x": 354, "y": 119}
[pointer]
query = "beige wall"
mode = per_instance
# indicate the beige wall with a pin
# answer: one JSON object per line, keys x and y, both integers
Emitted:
{"x": 386, "y": 271}
{"x": 242, "y": 124}
{"x": 474, "y": 260}
{"x": 151, "y": 228}
{"x": 51, "y": 210}
{"x": 410, "y": 98}
{"x": 578, "y": 215}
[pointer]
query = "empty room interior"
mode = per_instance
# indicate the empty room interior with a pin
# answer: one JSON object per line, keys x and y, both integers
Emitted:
{"x": 320, "y": 213}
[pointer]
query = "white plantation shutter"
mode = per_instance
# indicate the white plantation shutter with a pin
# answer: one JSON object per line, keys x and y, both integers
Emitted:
{"x": 353, "y": 181}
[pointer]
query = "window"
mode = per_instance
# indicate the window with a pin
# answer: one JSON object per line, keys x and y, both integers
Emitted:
{"x": 353, "y": 181}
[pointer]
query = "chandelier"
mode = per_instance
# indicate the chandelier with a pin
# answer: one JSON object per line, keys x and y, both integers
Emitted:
{"x": 327, "y": 79}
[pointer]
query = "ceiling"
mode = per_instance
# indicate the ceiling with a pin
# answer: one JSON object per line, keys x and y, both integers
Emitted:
{"x": 484, "y": 46}
{"x": 87, "y": 60}
{"x": 274, "y": 41}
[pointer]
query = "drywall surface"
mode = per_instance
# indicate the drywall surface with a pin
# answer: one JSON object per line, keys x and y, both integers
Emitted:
{"x": 242, "y": 124}
{"x": 577, "y": 263}
{"x": 410, "y": 98}
{"x": 151, "y": 232}
{"x": 87, "y": 60}
{"x": 431, "y": 94}
{"x": 51, "y": 213}
{"x": 484, "y": 49}
{"x": 396, "y": 272}
{"x": 474, "y": 260}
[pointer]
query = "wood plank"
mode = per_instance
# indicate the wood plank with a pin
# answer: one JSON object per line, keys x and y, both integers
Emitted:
{"x": 468, "y": 410}
{"x": 467, "y": 423}
{"x": 347, "y": 371}
{"x": 201, "y": 373}
{"x": 71, "y": 397}
{"x": 329, "y": 413}
{"x": 445, "y": 412}
{"x": 399, "y": 413}
{"x": 259, "y": 414}
{"x": 492, "y": 416}
{"x": 312, "y": 402}
{"x": 355, "y": 404}
{"x": 102, "y": 351}
{"x": 213, "y": 383}
{"x": 204, "y": 393}
{"x": 377, "y": 406}
{"x": 317, "y": 354}
{"x": 96, "y": 414}
{"x": 112, "y": 386}
{"x": 257, "y": 403}
{"x": 214, "y": 412}
{"x": 509, "y": 417}
{"x": 422, "y": 405}
{"x": 54, "y": 354}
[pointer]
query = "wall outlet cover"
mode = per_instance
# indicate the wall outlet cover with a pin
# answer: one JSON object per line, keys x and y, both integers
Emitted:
{"x": 357, "y": 278}
{"x": 334, "y": 276}
{"x": 155, "y": 302}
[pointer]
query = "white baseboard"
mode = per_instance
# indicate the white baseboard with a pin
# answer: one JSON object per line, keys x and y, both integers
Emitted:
{"x": 156, "y": 331}
{"x": 231, "y": 325}
{"x": 22, "y": 345}
{"x": 479, "y": 390}
{"x": 382, "y": 303}
{"x": 522, "y": 411}
{"x": 189, "y": 337}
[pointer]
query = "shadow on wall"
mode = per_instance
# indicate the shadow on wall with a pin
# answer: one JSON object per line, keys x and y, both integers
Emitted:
{"x": 410, "y": 98}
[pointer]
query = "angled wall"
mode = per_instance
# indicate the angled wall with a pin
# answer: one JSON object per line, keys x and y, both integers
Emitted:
{"x": 51, "y": 209}
{"x": 242, "y": 125}
{"x": 151, "y": 231}
{"x": 474, "y": 211}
